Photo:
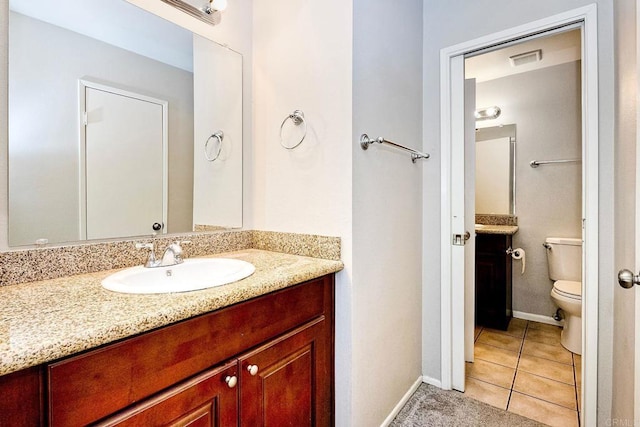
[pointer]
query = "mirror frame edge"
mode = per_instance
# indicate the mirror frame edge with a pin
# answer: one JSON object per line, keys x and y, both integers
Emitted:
{"x": 4, "y": 126}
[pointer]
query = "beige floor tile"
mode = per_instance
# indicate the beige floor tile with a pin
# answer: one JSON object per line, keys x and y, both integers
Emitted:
{"x": 577, "y": 369}
{"x": 520, "y": 323}
{"x": 476, "y": 332}
{"x": 545, "y": 336}
{"x": 498, "y": 355}
{"x": 491, "y": 373}
{"x": 546, "y": 389}
{"x": 577, "y": 361}
{"x": 538, "y": 325}
{"x": 487, "y": 393}
{"x": 516, "y": 328}
{"x": 546, "y": 368}
{"x": 579, "y": 397}
{"x": 544, "y": 412}
{"x": 495, "y": 339}
{"x": 546, "y": 351}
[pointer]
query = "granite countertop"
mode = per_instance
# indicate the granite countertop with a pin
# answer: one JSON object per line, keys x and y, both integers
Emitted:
{"x": 50, "y": 319}
{"x": 509, "y": 230}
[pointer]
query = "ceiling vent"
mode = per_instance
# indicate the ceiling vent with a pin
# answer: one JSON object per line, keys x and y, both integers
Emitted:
{"x": 525, "y": 58}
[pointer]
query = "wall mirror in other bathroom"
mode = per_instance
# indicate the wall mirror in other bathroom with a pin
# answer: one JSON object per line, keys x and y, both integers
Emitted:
{"x": 110, "y": 108}
{"x": 495, "y": 170}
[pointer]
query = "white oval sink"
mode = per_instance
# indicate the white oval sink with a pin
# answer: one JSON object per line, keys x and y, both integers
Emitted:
{"x": 191, "y": 275}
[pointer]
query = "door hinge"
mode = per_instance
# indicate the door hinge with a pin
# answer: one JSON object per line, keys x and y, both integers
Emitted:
{"x": 85, "y": 118}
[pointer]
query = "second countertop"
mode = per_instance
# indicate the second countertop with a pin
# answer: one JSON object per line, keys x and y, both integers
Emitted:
{"x": 507, "y": 230}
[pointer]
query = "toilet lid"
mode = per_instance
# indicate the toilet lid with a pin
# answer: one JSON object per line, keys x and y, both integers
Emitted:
{"x": 568, "y": 288}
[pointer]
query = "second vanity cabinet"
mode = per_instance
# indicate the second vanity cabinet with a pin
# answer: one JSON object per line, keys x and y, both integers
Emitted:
{"x": 265, "y": 361}
{"x": 493, "y": 281}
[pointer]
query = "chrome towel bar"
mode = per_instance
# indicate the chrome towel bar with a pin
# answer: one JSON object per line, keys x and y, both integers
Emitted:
{"x": 536, "y": 163}
{"x": 365, "y": 142}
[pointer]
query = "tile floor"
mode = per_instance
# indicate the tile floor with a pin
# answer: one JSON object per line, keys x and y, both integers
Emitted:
{"x": 526, "y": 370}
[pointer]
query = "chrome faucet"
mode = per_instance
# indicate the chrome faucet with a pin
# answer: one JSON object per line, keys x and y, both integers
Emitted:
{"x": 172, "y": 254}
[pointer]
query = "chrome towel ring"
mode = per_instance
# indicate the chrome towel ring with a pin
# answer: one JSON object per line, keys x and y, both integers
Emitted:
{"x": 297, "y": 117}
{"x": 220, "y": 137}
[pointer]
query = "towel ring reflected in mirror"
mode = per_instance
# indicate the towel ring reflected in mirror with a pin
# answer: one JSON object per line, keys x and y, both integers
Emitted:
{"x": 297, "y": 117}
{"x": 219, "y": 135}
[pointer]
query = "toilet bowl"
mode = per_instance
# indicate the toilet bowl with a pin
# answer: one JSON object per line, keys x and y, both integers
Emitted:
{"x": 567, "y": 295}
{"x": 564, "y": 257}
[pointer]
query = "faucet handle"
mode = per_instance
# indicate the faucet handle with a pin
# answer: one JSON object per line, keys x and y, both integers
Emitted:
{"x": 151, "y": 261}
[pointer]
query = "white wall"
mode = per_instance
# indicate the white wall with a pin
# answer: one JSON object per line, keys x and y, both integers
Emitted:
{"x": 300, "y": 64}
{"x": 44, "y": 174}
{"x": 302, "y": 60}
{"x": 387, "y": 206}
{"x": 545, "y": 107}
{"x": 448, "y": 23}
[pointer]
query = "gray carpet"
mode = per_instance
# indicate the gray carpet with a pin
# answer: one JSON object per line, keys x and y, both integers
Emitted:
{"x": 431, "y": 406}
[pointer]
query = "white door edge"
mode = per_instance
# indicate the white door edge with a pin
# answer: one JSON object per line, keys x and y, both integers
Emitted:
{"x": 449, "y": 323}
{"x": 636, "y": 391}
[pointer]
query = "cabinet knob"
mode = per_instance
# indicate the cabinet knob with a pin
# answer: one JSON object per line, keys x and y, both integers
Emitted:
{"x": 253, "y": 369}
{"x": 231, "y": 381}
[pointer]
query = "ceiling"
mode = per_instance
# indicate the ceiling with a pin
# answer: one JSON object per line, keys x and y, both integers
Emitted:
{"x": 556, "y": 49}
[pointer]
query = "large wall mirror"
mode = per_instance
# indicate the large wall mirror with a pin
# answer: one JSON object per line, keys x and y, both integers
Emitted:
{"x": 115, "y": 116}
{"x": 495, "y": 170}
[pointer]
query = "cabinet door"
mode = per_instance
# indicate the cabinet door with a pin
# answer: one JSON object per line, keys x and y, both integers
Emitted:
{"x": 493, "y": 281}
{"x": 287, "y": 382}
{"x": 209, "y": 399}
{"x": 22, "y": 398}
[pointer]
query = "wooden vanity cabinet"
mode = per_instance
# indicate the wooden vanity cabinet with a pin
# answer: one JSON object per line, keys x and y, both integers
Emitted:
{"x": 493, "y": 281}
{"x": 284, "y": 382}
{"x": 278, "y": 347}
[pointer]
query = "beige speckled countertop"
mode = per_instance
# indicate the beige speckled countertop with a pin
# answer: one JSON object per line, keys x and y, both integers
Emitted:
{"x": 509, "y": 230}
{"x": 50, "y": 319}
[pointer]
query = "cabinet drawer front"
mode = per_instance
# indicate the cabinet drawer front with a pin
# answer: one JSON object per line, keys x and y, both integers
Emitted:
{"x": 205, "y": 400}
{"x": 88, "y": 387}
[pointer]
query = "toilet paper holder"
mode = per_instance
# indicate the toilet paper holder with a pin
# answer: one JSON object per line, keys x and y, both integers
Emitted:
{"x": 515, "y": 252}
{"x": 518, "y": 254}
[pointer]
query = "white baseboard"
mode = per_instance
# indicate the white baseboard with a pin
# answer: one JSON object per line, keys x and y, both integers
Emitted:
{"x": 537, "y": 318}
{"x": 432, "y": 381}
{"x": 402, "y": 402}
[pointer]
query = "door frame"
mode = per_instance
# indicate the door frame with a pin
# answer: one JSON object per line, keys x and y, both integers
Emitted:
{"x": 85, "y": 83}
{"x": 452, "y": 143}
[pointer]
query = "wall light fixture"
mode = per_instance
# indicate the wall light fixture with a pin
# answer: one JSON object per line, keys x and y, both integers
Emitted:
{"x": 488, "y": 113}
{"x": 215, "y": 6}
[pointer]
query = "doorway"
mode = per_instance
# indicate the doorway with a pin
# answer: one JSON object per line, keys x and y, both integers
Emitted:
{"x": 453, "y": 206}
{"x": 527, "y": 109}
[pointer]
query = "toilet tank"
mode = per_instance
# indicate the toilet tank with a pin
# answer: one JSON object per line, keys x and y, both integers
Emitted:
{"x": 564, "y": 256}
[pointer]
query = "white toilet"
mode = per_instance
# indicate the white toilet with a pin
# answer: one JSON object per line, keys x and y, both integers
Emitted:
{"x": 564, "y": 256}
